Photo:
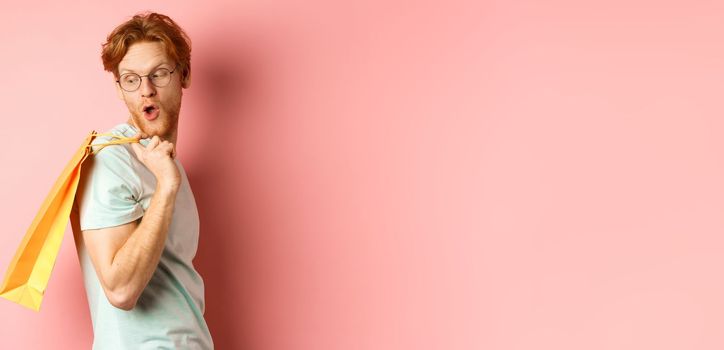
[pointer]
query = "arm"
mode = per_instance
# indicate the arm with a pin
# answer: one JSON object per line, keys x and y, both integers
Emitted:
{"x": 125, "y": 257}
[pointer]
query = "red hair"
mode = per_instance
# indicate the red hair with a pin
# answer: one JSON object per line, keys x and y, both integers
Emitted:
{"x": 148, "y": 27}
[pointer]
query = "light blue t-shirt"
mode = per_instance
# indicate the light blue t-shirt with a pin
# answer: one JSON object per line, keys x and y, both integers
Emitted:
{"x": 116, "y": 188}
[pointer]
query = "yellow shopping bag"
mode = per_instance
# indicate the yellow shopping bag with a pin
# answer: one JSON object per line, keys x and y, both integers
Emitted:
{"x": 29, "y": 271}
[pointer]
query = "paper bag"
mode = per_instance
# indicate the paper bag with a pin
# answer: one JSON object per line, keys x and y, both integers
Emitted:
{"x": 29, "y": 271}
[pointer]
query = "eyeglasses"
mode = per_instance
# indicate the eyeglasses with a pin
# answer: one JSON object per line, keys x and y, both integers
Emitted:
{"x": 132, "y": 81}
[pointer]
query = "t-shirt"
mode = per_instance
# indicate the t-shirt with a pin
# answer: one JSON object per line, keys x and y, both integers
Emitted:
{"x": 116, "y": 188}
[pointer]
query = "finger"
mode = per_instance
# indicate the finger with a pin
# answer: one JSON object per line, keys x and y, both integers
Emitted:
{"x": 154, "y": 142}
{"x": 167, "y": 147}
{"x": 138, "y": 150}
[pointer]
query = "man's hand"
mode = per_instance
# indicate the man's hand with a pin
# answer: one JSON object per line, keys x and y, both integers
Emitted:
{"x": 158, "y": 158}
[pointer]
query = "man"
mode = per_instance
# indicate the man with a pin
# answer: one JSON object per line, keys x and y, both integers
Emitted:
{"x": 138, "y": 220}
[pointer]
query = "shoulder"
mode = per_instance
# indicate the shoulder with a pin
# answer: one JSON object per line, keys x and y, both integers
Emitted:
{"x": 111, "y": 162}
{"x": 112, "y": 153}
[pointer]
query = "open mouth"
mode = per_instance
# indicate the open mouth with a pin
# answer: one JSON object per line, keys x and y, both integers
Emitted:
{"x": 150, "y": 112}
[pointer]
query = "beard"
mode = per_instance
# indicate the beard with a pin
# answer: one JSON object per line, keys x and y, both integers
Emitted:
{"x": 164, "y": 126}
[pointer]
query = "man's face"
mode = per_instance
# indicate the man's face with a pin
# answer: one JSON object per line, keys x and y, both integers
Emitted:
{"x": 144, "y": 58}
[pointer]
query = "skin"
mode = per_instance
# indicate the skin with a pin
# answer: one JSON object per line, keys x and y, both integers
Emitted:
{"x": 142, "y": 58}
{"x": 125, "y": 257}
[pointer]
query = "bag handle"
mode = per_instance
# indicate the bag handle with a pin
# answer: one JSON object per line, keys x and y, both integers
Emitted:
{"x": 121, "y": 140}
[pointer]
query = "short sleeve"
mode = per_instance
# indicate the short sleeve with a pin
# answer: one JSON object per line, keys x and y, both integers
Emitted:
{"x": 109, "y": 190}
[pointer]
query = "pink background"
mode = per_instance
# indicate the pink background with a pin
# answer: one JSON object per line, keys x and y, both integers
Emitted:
{"x": 407, "y": 175}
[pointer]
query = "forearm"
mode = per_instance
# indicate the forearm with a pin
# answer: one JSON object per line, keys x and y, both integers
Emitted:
{"x": 135, "y": 262}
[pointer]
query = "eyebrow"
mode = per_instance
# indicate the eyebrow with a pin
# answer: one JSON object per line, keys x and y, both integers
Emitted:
{"x": 152, "y": 69}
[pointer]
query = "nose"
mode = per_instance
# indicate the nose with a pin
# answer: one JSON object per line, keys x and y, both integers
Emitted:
{"x": 147, "y": 88}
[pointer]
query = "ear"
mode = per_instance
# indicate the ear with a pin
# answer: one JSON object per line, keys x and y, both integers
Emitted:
{"x": 186, "y": 79}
